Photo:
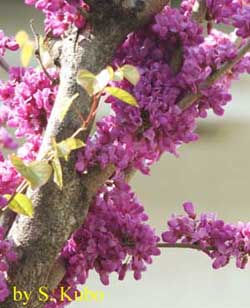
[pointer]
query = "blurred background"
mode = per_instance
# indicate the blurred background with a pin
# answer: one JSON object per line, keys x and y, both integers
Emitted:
{"x": 214, "y": 173}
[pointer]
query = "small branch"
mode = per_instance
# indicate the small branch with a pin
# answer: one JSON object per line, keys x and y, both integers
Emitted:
{"x": 199, "y": 11}
{"x": 6, "y": 220}
{"x": 181, "y": 245}
{"x": 191, "y": 98}
{"x": 38, "y": 53}
{"x": 4, "y": 65}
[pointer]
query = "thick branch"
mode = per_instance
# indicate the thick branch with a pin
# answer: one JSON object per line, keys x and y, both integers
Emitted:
{"x": 58, "y": 213}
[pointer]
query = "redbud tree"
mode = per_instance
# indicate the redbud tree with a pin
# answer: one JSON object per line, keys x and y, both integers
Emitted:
{"x": 66, "y": 203}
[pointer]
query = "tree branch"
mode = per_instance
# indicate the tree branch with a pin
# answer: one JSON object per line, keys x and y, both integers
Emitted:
{"x": 191, "y": 98}
{"x": 57, "y": 214}
{"x": 182, "y": 245}
{"x": 4, "y": 65}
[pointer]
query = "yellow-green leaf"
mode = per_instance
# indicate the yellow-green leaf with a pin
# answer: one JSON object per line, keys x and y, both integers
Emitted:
{"x": 58, "y": 176}
{"x": 27, "y": 53}
{"x": 123, "y": 95}
{"x": 37, "y": 173}
{"x": 65, "y": 147}
{"x": 131, "y": 73}
{"x": 118, "y": 75}
{"x": 22, "y": 38}
{"x": 103, "y": 79}
{"x": 86, "y": 79}
{"x": 67, "y": 104}
{"x": 95, "y": 84}
{"x": 20, "y": 204}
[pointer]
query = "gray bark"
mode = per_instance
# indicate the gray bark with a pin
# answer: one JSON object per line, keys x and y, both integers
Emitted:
{"x": 39, "y": 240}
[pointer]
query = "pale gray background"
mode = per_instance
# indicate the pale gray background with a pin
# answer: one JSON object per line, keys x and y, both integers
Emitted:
{"x": 214, "y": 173}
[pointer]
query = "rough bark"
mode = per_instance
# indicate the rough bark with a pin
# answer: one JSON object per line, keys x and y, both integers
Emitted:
{"x": 58, "y": 213}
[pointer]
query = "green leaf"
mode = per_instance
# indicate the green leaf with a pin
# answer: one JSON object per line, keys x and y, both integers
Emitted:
{"x": 65, "y": 147}
{"x": 58, "y": 176}
{"x": 118, "y": 75}
{"x": 27, "y": 47}
{"x": 86, "y": 79}
{"x": 103, "y": 79}
{"x": 27, "y": 53}
{"x": 22, "y": 38}
{"x": 131, "y": 73}
{"x": 95, "y": 84}
{"x": 123, "y": 95}
{"x": 20, "y": 204}
{"x": 37, "y": 173}
{"x": 67, "y": 106}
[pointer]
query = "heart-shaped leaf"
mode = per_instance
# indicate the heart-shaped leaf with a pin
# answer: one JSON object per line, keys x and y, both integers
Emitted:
{"x": 86, "y": 79}
{"x": 94, "y": 84}
{"x": 37, "y": 173}
{"x": 27, "y": 53}
{"x": 22, "y": 38}
{"x": 65, "y": 147}
{"x": 20, "y": 204}
{"x": 58, "y": 176}
{"x": 131, "y": 73}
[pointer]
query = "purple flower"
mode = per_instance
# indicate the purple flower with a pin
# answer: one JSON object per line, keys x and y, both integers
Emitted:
{"x": 60, "y": 14}
{"x": 219, "y": 240}
{"x": 6, "y": 140}
{"x": 7, "y": 43}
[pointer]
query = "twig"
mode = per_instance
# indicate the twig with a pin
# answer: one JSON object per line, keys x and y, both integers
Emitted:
{"x": 38, "y": 53}
{"x": 4, "y": 65}
{"x": 199, "y": 11}
{"x": 181, "y": 245}
{"x": 91, "y": 115}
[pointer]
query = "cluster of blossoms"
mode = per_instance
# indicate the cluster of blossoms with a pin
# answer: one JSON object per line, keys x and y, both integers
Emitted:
{"x": 231, "y": 12}
{"x": 6, "y": 140}
{"x": 219, "y": 240}
{"x": 7, "y": 43}
{"x": 175, "y": 58}
{"x": 60, "y": 14}
{"x": 26, "y": 102}
{"x": 136, "y": 137}
{"x": 27, "y": 99}
{"x": 9, "y": 179}
{"x": 114, "y": 238}
{"x": 7, "y": 256}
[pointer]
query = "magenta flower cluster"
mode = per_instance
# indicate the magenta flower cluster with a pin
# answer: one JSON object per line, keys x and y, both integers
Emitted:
{"x": 7, "y": 43}
{"x": 60, "y": 14}
{"x": 7, "y": 256}
{"x": 114, "y": 239}
{"x": 219, "y": 240}
{"x": 175, "y": 57}
{"x": 137, "y": 137}
{"x": 231, "y": 12}
{"x": 9, "y": 179}
{"x": 27, "y": 99}
{"x": 6, "y": 140}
